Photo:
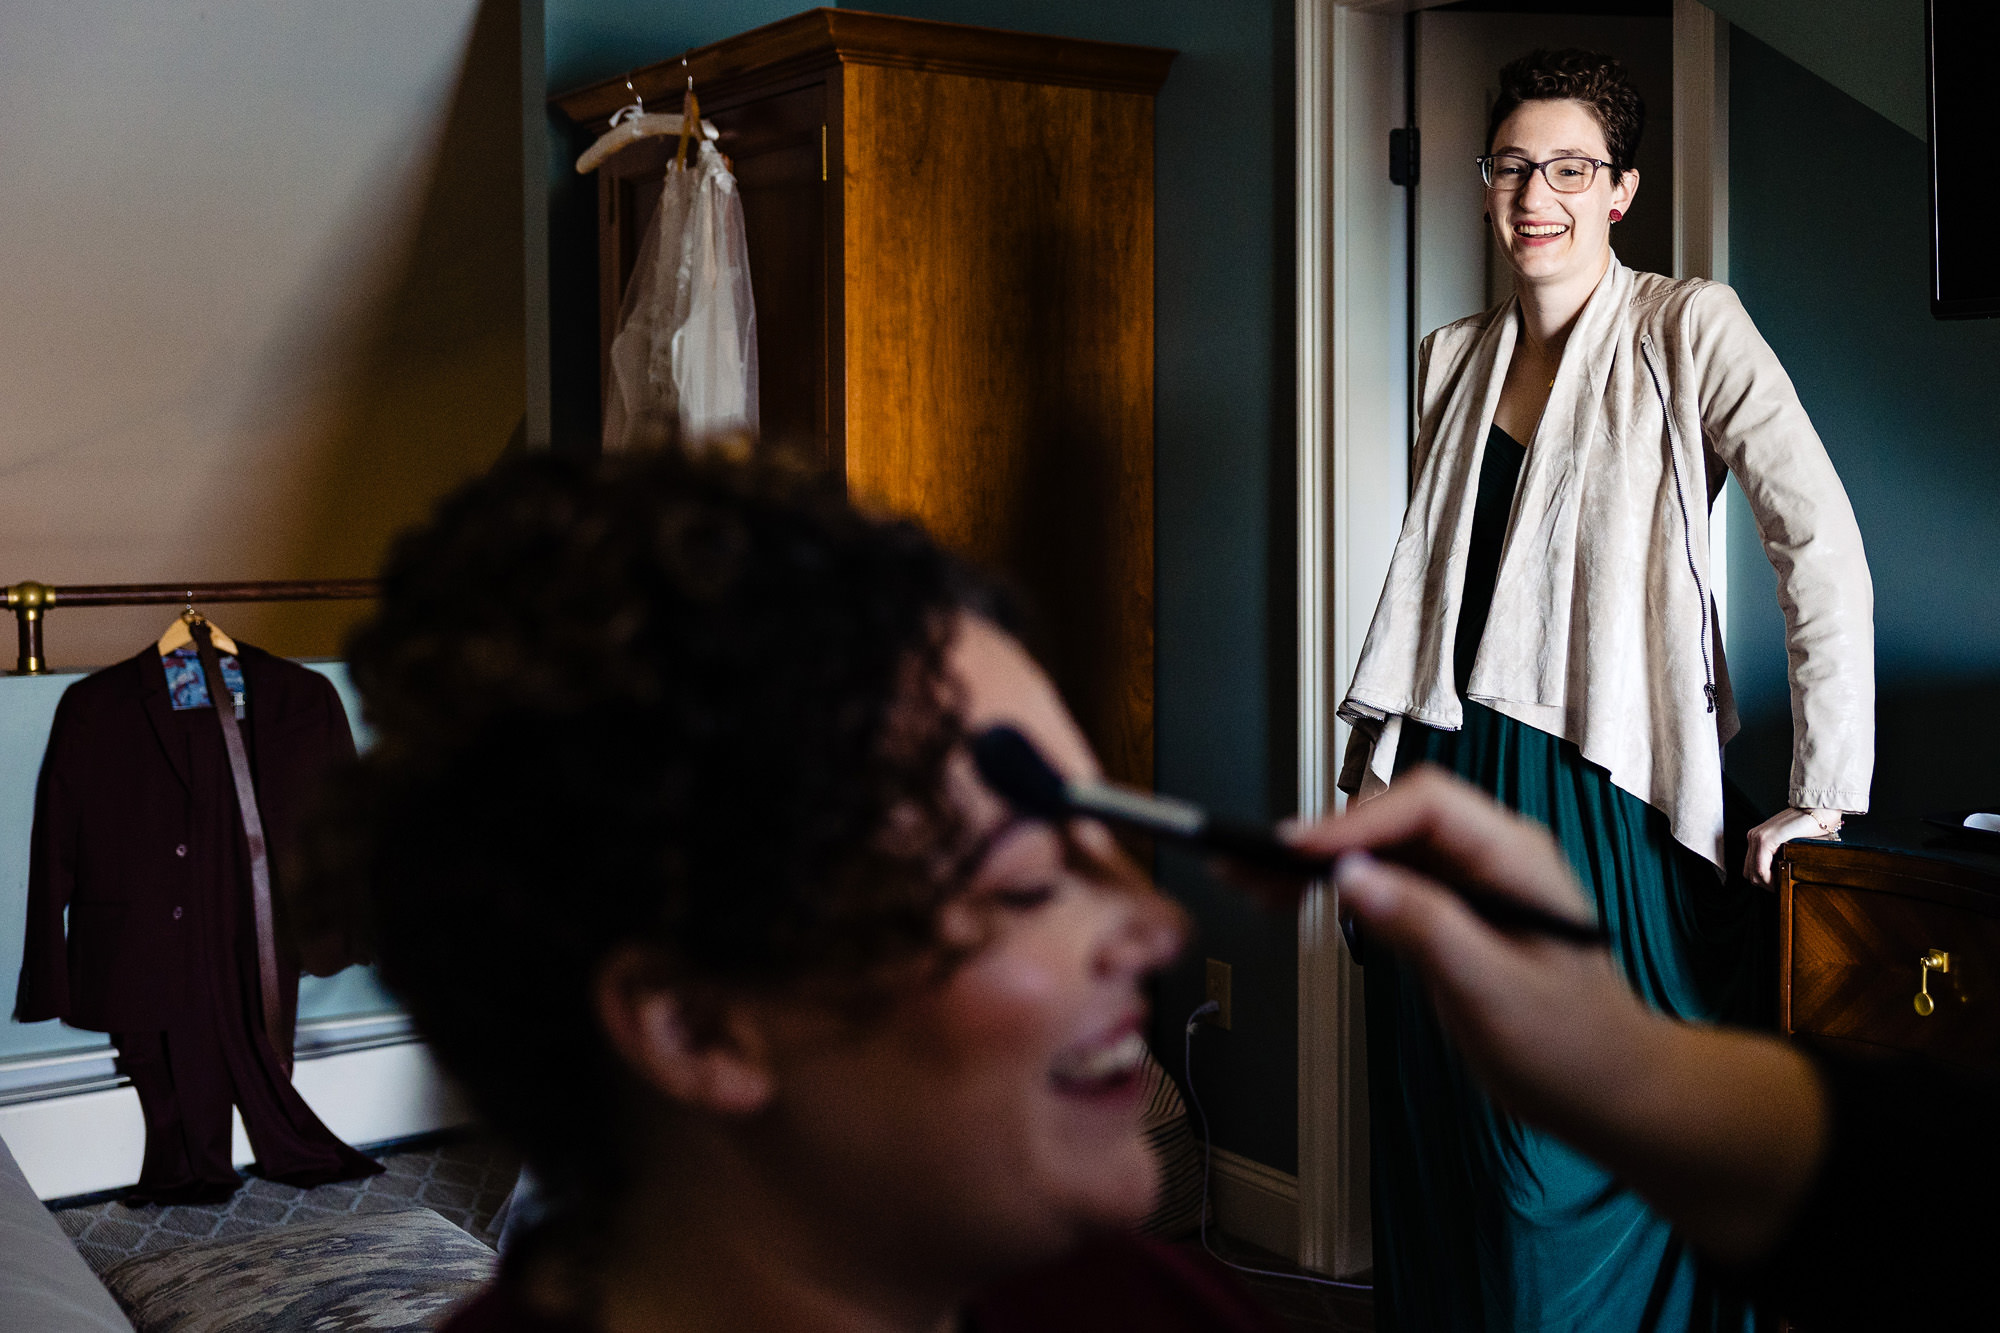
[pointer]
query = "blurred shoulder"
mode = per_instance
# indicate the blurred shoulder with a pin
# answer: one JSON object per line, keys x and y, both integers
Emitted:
{"x": 1123, "y": 1282}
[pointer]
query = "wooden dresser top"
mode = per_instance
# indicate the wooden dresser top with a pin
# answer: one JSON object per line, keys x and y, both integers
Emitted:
{"x": 1913, "y": 853}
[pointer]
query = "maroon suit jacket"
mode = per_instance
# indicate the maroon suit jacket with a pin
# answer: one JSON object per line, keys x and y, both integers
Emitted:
{"x": 114, "y": 836}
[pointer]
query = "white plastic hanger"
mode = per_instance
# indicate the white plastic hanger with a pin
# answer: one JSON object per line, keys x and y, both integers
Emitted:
{"x": 178, "y": 635}
{"x": 632, "y": 123}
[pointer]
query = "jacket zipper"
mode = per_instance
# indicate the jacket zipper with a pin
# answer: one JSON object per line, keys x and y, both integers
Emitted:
{"x": 1687, "y": 525}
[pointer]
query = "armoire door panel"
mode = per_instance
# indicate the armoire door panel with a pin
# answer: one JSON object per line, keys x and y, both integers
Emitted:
{"x": 998, "y": 261}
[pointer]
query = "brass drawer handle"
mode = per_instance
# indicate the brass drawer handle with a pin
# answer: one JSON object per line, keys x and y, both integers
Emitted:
{"x": 1935, "y": 960}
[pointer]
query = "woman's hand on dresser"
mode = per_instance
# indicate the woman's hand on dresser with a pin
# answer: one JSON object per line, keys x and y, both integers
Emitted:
{"x": 1779, "y": 829}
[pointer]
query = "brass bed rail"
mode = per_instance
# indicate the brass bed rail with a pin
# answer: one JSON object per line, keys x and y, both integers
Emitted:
{"x": 31, "y": 602}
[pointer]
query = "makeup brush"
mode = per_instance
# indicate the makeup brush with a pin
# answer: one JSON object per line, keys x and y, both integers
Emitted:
{"x": 1014, "y": 768}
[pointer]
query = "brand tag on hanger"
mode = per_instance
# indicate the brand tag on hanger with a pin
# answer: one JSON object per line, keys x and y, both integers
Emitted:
{"x": 187, "y": 687}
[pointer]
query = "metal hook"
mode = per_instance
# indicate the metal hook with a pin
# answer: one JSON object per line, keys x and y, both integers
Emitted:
{"x": 631, "y": 111}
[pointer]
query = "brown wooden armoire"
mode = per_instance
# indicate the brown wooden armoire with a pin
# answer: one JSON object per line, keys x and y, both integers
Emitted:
{"x": 951, "y": 249}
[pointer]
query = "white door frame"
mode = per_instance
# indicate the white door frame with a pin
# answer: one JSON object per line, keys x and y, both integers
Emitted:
{"x": 1353, "y": 436}
{"x": 1353, "y": 433}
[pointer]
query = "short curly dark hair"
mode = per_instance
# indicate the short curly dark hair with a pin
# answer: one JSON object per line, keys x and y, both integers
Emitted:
{"x": 644, "y": 701}
{"x": 1597, "y": 80}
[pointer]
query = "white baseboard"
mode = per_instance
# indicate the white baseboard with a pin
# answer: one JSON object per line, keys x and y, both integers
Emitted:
{"x": 95, "y": 1141}
{"x": 1254, "y": 1203}
{"x": 371, "y": 1096}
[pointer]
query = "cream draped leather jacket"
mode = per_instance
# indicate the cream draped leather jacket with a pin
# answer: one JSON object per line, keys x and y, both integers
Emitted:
{"x": 1602, "y": 628}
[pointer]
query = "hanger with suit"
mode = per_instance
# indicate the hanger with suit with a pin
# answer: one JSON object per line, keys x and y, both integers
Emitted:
{"x": 140, "y": 835}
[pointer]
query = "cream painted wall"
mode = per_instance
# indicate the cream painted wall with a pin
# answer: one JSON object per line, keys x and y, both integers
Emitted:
{"x": 261, "y": 290}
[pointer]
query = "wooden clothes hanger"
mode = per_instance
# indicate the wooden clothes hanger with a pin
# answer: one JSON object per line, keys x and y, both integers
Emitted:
{"x": 633, "y": 123}
{"x": 177, "y": 635}
{"x": 690, "y": 117}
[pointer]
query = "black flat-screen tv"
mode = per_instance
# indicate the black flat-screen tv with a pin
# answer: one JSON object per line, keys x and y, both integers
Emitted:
{"x": 1964, "y": 68}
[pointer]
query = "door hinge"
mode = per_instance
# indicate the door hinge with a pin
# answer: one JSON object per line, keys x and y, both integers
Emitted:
{"x": 1403, "y": 156}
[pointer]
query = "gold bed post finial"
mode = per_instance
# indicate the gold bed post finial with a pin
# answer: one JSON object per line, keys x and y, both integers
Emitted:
{"x": 28, "y": 601}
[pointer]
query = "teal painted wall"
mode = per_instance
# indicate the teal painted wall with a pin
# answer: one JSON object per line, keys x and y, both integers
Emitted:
{"x": 1829, "y": 220}
{"x": 1223, "y": 450}
{"x": 27, "y": 707}
{"x": 1873, "y": 50}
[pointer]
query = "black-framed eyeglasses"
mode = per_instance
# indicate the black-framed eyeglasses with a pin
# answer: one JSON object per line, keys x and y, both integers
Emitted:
{"x": 1565, "y": 175}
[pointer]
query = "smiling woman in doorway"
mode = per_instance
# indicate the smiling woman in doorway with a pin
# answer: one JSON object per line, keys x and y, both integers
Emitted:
{"x": 1547, "y": 631}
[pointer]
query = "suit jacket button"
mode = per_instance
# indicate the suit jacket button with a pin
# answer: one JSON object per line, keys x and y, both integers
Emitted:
{"x": 181, "y": 850}
{"x": 177, "y": 914}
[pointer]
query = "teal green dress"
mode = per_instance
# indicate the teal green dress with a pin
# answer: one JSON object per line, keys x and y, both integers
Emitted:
{"x": 1480, "y": 1222}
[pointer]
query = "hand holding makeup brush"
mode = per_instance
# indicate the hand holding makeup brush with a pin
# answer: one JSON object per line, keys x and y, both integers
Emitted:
{"x": 1269, "y": 866}
{"x": 1719, "y": 1129}
{"x": 1526, "y": 1010}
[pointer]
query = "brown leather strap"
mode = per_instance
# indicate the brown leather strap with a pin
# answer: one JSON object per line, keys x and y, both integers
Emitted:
{"x": 253, "y": 834}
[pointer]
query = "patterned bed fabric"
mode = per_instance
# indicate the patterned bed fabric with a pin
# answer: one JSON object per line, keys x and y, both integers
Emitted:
{"x": 1165, "y": 1122}
{"x": 383, "y": 1272}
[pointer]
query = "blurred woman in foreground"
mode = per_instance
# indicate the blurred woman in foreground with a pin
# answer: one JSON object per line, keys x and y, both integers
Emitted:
{"x": 670, "y": 843}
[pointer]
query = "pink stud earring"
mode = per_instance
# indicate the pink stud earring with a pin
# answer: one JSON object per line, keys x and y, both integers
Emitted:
{"x": 1617, "y": 216}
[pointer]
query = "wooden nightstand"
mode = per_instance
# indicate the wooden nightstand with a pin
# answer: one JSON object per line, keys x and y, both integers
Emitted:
{"x": 1889, "y": 940}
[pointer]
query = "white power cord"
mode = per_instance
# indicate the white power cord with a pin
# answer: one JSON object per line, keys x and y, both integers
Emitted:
{"x": 1207, "y": 1166}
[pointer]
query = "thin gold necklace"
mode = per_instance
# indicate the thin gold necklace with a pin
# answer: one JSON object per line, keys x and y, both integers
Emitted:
{"x": 1540, "y": 351}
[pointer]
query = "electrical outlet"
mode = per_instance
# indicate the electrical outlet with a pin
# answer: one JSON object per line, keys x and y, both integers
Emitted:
{"x": 1218, "y": 991}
